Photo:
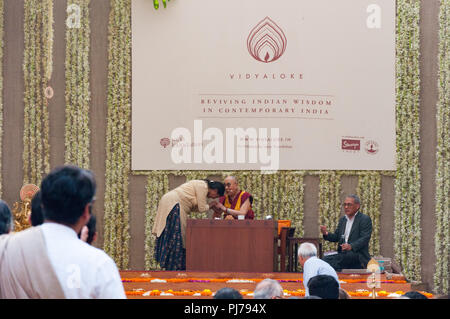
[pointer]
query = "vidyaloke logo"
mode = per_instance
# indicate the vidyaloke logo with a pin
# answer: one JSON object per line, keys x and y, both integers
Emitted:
{"x": 266, "y": 42}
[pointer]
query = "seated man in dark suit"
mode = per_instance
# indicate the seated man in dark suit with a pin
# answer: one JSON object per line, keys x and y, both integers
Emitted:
{"x": 353, "y": 236}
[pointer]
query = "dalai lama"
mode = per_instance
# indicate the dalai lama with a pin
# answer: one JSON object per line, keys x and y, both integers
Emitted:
{"x": 235, "y": 202}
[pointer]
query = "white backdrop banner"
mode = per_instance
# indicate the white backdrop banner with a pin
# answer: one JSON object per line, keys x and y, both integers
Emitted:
{"x": 263, "y": 84}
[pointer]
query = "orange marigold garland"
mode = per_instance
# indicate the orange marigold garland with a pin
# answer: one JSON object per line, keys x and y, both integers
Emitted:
{"x": 244, "y": 292}
{"x": 243, "y": 280}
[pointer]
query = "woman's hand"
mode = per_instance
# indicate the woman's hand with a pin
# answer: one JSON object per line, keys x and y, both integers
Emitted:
{"x": 220, "y": 207}
{"x": 212, "y": 204}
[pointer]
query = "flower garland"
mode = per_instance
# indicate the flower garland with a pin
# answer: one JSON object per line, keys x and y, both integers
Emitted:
{"x": 245, "y": 292}
{"x": 37, "y": 68}
{"x": 47, "y": 26}
{"x": 292, "y": 207}
{"x": 157, "y": 186}
{"x": 407, "y": 229}
{"x": 442, "y": 234}
{"x": 369, "y": 190}
{"x": 118, "y": 134}
{"x": 1, "y": 91}
{"x": 329, "y": 202}
{"x": 246, "y": 280}
{"x": 77, "y": 96}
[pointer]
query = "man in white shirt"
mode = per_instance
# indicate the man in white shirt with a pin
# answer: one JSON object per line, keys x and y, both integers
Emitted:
{"x": 50, "y": 261}
{"x": 313, "y": 266}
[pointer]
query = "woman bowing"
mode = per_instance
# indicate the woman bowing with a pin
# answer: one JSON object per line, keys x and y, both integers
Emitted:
{"x": 170, "y": 220}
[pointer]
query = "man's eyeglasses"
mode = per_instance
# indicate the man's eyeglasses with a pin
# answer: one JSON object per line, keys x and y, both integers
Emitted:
{"x": 347, "y": 204}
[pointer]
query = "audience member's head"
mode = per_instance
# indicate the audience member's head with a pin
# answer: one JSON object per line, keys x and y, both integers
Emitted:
{"x": 89, "y": 232}
{"x": 6, "y": 222}
{"x": 414, "y": 295}
{"x": 324, "y": 286}
{"x": 36, "y": 216}
{"x": 67, "y": 194}
{"x": 343, "y": 294}
{"x": 305, "y": 251}
{"x": 352, "y": 203}
{"x": 91, "y": 225}
{"x": 227, "y": 293}
{"x": 268, "y": 289}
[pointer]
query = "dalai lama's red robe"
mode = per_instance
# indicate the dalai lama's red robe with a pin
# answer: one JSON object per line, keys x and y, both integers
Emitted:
{"x": 238, "y": 201}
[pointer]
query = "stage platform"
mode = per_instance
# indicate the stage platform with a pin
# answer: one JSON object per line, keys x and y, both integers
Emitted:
{"x": 202, "y": 285}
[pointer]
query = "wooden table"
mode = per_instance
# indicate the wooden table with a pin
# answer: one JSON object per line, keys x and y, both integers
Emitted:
{"x": 231, "y": 245}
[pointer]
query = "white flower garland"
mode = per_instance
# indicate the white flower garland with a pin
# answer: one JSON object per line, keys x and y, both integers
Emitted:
{"x": 37, "y": 68}
{"x": 157, "y": 186}
{"x": 329, "y": 202}
{"x": 294, "y": 200}
{"x": 442, "y": 234}
{"x": 77, "y": 96}
{"x": 118, "y": 134}
{"x": 369, "y": 191}
{"x": 407, "y": 214}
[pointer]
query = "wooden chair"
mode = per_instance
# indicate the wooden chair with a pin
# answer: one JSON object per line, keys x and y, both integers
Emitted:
{"x": 285, "y": 233}
{"x": 293, "y": 244}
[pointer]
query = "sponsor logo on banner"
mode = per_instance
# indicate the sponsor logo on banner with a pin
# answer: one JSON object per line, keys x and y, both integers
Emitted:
{"x": 164, "y": 142}
{"x": 232, "y": 145}
{"x": 266, "y": 42}
{"x": 371, "y": 147}
{"x": 350, "y": 145}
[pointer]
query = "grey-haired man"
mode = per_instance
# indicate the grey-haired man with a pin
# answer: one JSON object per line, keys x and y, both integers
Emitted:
{"x": 352, "y": 235}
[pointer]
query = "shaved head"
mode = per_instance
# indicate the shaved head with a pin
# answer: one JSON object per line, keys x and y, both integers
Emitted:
{"x": 231, "y": 178}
